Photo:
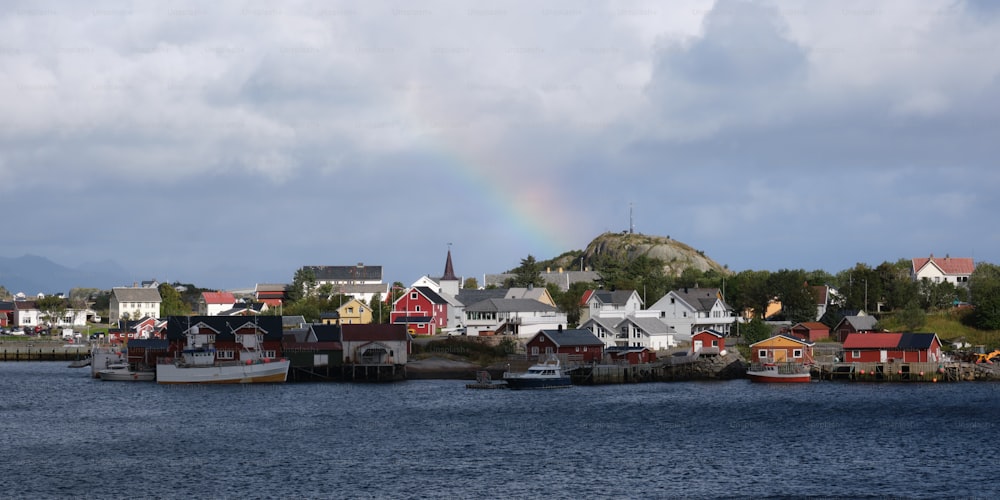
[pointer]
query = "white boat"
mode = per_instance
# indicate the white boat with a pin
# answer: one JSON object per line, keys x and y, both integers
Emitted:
{"x": 782, "y": 373}
{"x": 102, "y": 357}
{"x": 122, "y": 372}
{"x": 199, "y": 363}
{"x": 546, "y": 374}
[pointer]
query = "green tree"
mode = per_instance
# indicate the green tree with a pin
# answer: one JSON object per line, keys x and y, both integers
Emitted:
{"x": 755, "y": 330}
{"x": 569, "y": 301}
{"x": 984, "y": 294}
{"x": 798, "y": 303}
{"x": 380, "y": 310}
{"x": 4, "y": 294}
{"x": 749, "y": 290}
{"x": 172, "y": 304}
{"x": 303, "y": 285}
{"x": 52, "y": 308}
{"x": 528, "y": 273}
{"x": 470, "y": 284}
{"x": 79, "y": 298}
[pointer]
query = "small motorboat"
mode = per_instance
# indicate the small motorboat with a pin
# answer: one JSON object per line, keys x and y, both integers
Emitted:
{"x": 775, "y": 372}
{"x": 122, "y": 372}
{"x": 546, "y": 374}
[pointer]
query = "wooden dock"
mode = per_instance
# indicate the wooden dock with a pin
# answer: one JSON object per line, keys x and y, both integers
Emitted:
{"x": 902, "y": 372}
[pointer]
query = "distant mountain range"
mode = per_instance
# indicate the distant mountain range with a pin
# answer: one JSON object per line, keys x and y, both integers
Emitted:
{"x": 32, "y": 274}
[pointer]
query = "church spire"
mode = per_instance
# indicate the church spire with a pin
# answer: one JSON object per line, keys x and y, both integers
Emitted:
{"x": 449, "y": 271}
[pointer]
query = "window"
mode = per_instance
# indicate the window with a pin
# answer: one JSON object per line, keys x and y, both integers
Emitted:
{"x": 671, "y": 300}
{"x": 762, "y": 353}
{"x": 797, "y": 353}
{"x": 715, "y": 343}
{"x": 270, "y": 354}
{"x": 534, "y": 350}
{"x": 225, "y": 354}
{"x": 413, "y": 296}
{"x": 577, "y": 348}
{"x": 855, "y": 354}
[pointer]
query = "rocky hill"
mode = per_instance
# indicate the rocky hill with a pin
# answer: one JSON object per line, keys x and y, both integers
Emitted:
{"x": 675, "y": 255}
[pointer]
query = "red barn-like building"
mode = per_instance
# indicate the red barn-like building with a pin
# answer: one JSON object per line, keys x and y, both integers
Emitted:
{"x": 421, "y": 309}
{"x": 885, "y": 347}
{"x": 708, "y": 342}
{"x": 810, "y": 331}
{"x": 576, "y": 342}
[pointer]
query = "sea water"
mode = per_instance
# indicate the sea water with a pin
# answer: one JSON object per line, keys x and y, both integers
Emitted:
{"x": 64, "y": 434}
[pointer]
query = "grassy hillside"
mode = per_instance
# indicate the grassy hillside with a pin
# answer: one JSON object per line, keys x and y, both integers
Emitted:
{"x": 948, "y": 325}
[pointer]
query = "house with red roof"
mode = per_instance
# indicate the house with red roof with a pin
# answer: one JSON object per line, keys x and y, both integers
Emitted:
{"x": 886, "y": 347}
{"x": 811, "y": 331}
{"x": 949, "y": 269}
{"x": 213, "y": 303}
{"x": 271, "y": 294}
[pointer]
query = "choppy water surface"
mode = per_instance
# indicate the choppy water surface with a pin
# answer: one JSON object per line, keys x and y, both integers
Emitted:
{"x": 63, "y": 434}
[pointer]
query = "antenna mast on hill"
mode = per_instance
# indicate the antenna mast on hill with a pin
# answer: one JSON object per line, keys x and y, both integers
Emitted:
{"x": 631, "y": 223}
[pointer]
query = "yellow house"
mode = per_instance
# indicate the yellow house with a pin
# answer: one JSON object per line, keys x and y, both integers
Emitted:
{"x": 355, "y": 312}
{"x": 781, "y": 349}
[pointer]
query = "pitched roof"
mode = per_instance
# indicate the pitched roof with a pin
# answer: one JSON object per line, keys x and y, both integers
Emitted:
{"x": 710, "y": 332}
{"x": 569, "y": 338}
{"x": 136, "y": 294}
{"x": 218, "y": 298}
{"x": 469, "y": 296}
{"x": 373, "y": 332}
{"x": 430, "y": 294}
{"x": 510, "y": 305}
{"x": 909, "y": 341}
{"x": 359, "y": 272}
{"x": 6, "y": 305}
{"x": 326, "y": 333}
{"x": 612, "y": 297}
{"x": 648, "y": 325}
{"x": 860, "y": 323}
{"x": 786, "y": 337}
{"x": 224, "y": 325}
{"x": 947, "y": 265}
{"x": 812, "y": 325}
{"x": 525, "y": 293}
{"x": 872, "y": 340}
{"x": 609, "y": 324}
{"x": 701, "y": 299}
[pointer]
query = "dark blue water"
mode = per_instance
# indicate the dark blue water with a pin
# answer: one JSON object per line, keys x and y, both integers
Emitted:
{"x": 63, "y": 434}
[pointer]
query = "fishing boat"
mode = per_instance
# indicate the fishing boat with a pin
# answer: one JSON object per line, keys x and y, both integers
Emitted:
{"x": 201, "y": 363}
{"x": 122, "y": 372}
{"x": 779, "y": 372}
{"x": 103, "y": 357}
{"x": 546, "y": 374}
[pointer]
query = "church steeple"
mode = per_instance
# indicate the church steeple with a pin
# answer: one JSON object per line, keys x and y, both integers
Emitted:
{"x": 449, "y": 271}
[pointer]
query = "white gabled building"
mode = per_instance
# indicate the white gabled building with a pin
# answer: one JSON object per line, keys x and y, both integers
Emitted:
{"x": 689, "y": 310}
{"x": 607, "y": 304}
{"x": 134, "y": 303}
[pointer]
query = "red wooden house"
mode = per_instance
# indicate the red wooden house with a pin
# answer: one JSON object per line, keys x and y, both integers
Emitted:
{"x": 892, "y": 347}
{"x": 421, "y": 309}
{"x": 708, "y": 342}
{"x": 575, "y": 342}
{"x": 810, "y": 331}
{"x": 222, "y": 330}
{"x": 6, "y": 313}
{"x": 630, "y": 355}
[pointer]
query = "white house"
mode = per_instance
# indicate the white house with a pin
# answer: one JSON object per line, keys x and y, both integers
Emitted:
{"x": 214, "y": 303}
{"x": 521, "y": 317}
{"x": 641, "y": 331}
{"x": 956, "y": 270}
{"x": 134, "y": 303}
{"x": 604, "y": 329}
{"x": 691, "y": 309}
{"x": 606, "y": 304}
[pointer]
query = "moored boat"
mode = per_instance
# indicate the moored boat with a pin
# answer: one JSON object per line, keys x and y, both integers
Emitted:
{"x": 546, "y": 374}
{"x": 122, "y": 372}
{"x": 779, "y": 372}
{"x": 199, "y": 362}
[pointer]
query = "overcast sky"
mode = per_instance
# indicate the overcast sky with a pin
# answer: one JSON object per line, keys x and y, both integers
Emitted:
{"x": 230, "y": 143}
